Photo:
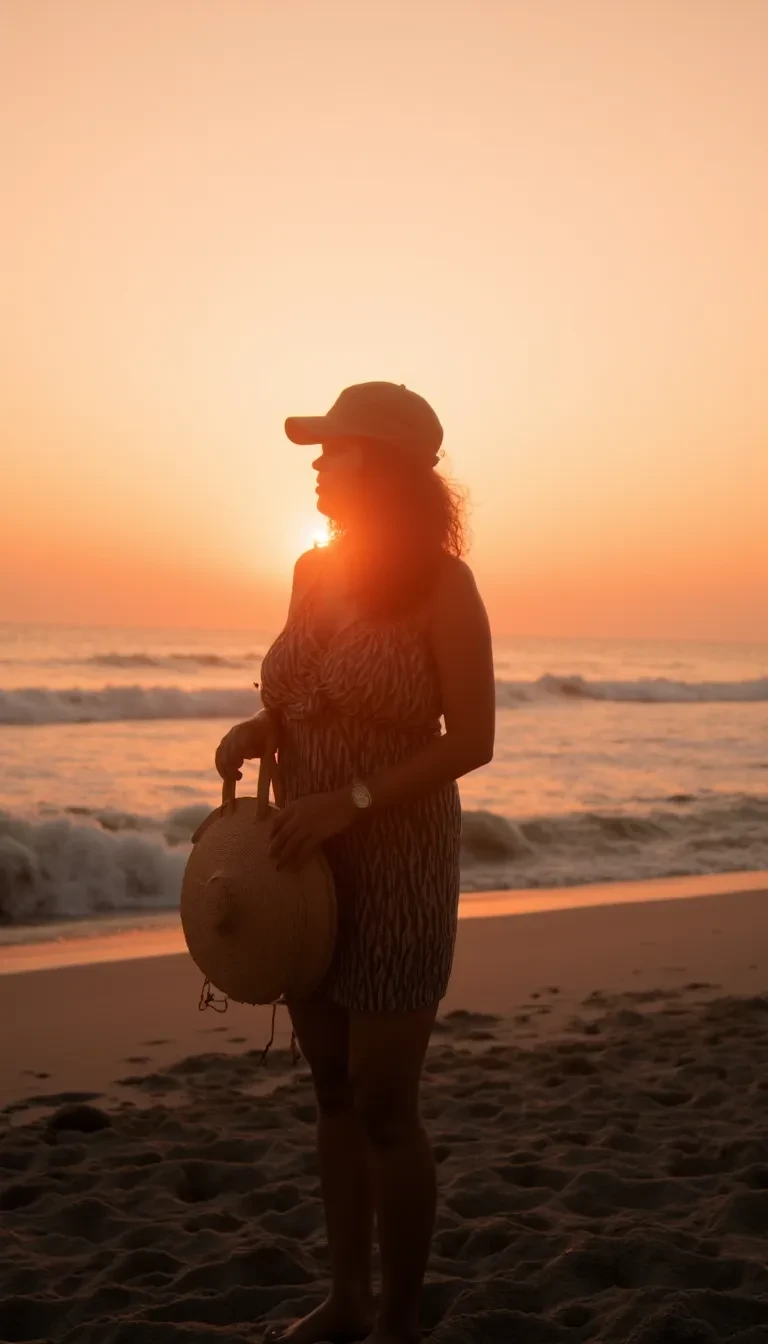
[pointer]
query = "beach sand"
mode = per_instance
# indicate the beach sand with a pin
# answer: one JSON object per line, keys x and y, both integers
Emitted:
{"x": 596, "y": 1090}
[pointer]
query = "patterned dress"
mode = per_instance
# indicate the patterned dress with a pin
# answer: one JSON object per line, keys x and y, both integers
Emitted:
{"x": 348, "y": 706}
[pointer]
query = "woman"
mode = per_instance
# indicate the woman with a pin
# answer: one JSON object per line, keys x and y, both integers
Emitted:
{"x": 386, "y": 633}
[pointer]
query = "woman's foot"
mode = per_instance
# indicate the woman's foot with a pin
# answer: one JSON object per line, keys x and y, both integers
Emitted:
{"x": 330, "y": 1323}
{"x": 393, "y": 1334}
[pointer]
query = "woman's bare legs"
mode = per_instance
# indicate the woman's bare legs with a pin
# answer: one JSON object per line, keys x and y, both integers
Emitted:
{"x": 372, "y": 1149}
{"x": 322, "y": 1030}
{"x": 386, "y": 1057}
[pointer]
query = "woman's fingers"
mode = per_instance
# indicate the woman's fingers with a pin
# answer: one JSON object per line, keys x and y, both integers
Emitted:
{"x": 283, "y": 841}
{"x": 286, "y": 841}
{"x": 304, "y": 851}
{"x": 224, "y": 767}
{"x": 228, "y": 758}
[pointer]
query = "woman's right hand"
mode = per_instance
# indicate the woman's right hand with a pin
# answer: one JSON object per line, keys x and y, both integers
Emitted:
{"x": 242, "y": 743}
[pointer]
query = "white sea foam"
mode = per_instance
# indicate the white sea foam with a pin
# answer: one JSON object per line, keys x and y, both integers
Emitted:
{"x": 685, "y": 836}
{"x": 59, "y": 869}
{"x": 645, "y": 690}
{"x": 40, "y": 704}
{"x": 36, "y": 704}
{"x": 170, "y": 661}
{"x": 88, "y": 861}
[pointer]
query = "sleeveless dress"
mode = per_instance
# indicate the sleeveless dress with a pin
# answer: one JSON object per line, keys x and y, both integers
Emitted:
{"x": 346, "y": 707}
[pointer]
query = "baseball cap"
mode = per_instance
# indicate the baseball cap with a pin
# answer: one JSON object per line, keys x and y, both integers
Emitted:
{"x": 388, "y": 412}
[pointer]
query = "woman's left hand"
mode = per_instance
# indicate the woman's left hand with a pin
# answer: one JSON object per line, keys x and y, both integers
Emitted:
{"x": 303, "y": 825}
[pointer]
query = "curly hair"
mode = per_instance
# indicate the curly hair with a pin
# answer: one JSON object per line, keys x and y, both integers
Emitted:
{"x": 406, "y": 518}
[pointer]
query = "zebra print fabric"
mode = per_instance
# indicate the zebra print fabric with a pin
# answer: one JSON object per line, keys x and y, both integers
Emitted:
{"x": 364, "y": 699}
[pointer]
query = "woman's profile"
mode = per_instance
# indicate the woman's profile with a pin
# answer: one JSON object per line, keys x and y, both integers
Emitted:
{"x": 386, "y": 636}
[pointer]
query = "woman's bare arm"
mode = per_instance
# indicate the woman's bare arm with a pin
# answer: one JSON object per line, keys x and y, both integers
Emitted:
{"x": 304, "y": 574}
{"x": 460, "y": 638}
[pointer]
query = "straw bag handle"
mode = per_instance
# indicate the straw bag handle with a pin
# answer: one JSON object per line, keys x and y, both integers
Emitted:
{"x": 269, "y": 773}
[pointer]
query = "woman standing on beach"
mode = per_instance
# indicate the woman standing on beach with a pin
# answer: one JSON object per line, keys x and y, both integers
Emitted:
{"x": 386, "y": 633}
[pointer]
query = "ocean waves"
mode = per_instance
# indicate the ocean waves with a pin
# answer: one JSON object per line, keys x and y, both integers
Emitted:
{"x": 112, "y": 703}
{"x": 59, "y": 868}
{"x": 644, "y": 690}
{"x": 168, "y": 661}
{"x": 171, "y": 660}
{"x": 82, "y": 861}
{"x": 683, "y": 836}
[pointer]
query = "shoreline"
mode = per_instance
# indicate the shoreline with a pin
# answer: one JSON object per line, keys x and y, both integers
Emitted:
{"x": 127, "y": 937}
{"x": 94, "y": 1026}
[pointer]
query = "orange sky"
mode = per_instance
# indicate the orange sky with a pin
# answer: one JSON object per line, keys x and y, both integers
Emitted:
{"x": 548, "y": 218}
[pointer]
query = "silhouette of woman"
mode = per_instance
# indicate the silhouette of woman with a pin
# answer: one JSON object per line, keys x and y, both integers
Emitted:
{"x": 386, "y": 635}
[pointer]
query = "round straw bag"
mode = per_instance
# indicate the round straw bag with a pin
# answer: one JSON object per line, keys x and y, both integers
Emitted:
{"x": 257, "y": 933}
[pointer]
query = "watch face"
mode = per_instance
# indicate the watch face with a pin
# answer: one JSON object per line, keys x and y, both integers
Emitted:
{"x": 360, "y": 795}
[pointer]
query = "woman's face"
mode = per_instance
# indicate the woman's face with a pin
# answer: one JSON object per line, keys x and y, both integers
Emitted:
{"x": 339, "y": 469}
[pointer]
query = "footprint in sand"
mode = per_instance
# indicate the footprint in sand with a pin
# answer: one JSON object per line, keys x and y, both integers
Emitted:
{"x": 598, "y": 999}
{"x": 461, "y": 1016}
{"x": 136, "y": 1059}
{"x": 163, "y": 1040}
{"x": 650, "y": 995}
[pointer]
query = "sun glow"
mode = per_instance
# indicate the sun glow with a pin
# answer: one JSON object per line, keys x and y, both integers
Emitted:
{"x": 319, "y": 536}
{"x": 305, "y": 534}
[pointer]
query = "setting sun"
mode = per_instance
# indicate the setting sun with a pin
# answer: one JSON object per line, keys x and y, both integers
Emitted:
{"x": 318, "y": 536}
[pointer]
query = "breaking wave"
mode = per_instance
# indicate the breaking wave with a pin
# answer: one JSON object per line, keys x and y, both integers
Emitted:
{"x": 35, "y": 704}
{"x": 683, "y": 837}
{"x": 171, "y": 660}
{"x": 114, "y": 703}
{"x": 646, "y": 690}
{"x": 83, "y": 861}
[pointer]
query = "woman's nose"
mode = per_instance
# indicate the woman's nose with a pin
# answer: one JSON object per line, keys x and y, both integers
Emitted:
{"x": 317, "y": 464}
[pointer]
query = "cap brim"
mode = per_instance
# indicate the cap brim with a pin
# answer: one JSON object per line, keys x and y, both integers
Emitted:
{"x": 306, "y": 429}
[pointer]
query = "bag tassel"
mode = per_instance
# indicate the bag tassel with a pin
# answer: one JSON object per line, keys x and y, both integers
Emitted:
{"x": 209, "y": 1000}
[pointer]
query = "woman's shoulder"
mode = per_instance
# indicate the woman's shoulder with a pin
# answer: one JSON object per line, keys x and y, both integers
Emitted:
{"x": 456, "y": 604}
{"x": 455, "y": 579}
{"x": 454, "y": 584}
{"x": 309, "y": 566}
{"x": 306, "y": 572}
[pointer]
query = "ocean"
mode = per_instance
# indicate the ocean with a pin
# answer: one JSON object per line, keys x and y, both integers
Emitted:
{"x": 614, "y": 760}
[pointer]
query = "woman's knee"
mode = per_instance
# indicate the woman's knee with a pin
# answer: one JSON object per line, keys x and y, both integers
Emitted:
{"x": 322, "y": 1029}
{"x": 333, "y": 1091}
{"x": 388, "y": 1116}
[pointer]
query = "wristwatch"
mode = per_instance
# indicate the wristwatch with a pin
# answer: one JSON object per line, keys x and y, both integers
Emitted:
{"x": 360, "y": 794}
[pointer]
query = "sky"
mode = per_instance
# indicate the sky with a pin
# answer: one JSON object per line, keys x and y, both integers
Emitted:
{"x": 549, "y": 219}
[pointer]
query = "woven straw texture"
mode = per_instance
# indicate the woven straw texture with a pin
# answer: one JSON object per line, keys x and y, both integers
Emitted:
{"x": 256, "y": 932}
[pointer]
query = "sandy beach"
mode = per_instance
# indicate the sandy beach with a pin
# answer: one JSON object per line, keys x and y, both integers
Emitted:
{"x": 595, "y": 1089}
